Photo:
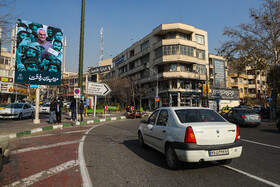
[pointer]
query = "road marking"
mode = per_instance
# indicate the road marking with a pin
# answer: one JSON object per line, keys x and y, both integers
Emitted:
{"x": 44, "y": 174}
{"x": 277, "y": 147}
{"x": 74, "y": 131}
{"x": 252, "y": 176}
{"x": 38, "y": 136}
{"x": 43, "y": 147}
{"x": 83, "y": 168}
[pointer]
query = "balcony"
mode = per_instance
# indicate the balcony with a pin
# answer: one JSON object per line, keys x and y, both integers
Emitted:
{"x": 252, "y": 86}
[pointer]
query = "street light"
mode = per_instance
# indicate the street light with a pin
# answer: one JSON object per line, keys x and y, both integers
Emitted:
{"x": 156, "y": 103}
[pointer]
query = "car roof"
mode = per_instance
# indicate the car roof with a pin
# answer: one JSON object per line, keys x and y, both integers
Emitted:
{"x": 184, "y": 107}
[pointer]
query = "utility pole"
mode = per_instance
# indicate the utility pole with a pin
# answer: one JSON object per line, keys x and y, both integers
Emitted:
{"x": 81, "y": 55}
{"x": 101, "y": 46}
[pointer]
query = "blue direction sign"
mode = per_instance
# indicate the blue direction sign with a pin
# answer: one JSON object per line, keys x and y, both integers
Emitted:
{"x": 269, "y": 99}
{"x": 33, "y": 86}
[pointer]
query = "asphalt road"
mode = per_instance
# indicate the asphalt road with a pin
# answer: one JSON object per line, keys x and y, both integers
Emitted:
{"x": 113, "y": 158}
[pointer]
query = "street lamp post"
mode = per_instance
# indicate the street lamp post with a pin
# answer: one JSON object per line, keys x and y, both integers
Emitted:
{"x": 156, "y": 102}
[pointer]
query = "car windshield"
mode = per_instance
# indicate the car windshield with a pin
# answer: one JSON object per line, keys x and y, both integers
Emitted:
{"x": 198, "y": 115}
{"x": 15, "y": 105}
{"x": 46, "y": 105}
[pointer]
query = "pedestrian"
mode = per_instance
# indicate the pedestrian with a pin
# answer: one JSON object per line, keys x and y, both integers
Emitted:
{"x": 59, "y": 105}
{"x": 73, "y": 110}
{"x": 52, "y": 110}
{"x": 81, "y": 109}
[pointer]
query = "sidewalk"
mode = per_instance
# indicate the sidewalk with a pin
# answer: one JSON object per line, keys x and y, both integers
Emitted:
{"x": 26, "y": 126}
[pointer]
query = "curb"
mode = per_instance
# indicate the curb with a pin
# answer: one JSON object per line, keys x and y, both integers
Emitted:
{"x": 24, "y": 133}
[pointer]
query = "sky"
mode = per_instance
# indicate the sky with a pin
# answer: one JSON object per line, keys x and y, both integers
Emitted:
{"x": 127, "y": 21}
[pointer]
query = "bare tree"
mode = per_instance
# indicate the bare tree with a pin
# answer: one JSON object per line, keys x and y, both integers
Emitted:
{"x": 7, "y": 18}
{"x": 256, "y": 44}
{"x": 119, "y": 89}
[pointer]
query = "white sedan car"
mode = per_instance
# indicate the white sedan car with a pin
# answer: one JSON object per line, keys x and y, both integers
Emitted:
{"x": 191, "y": 135}
{"x": 45, "y": 108}
{"x": 17, "y": 110}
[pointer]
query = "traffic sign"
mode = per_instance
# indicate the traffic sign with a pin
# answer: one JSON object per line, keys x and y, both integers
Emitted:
{"x": 77, "y": 93}
{"x": 106, "y": 107}
{"x": 101, "y": 89}
{"x": 269, "y": 99}
{"x": 132, "y": 108}
{"x": 157, "y": 99}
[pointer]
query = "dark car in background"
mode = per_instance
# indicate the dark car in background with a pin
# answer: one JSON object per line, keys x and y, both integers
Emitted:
{"x": 243, "y": 117}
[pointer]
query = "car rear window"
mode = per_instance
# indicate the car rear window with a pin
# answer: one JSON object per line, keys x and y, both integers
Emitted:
{"x": 198, "y": 115}
{"x": 246, "y": 112}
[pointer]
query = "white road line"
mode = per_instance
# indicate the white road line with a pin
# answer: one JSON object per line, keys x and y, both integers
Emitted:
{"x": 44, "y": 174}
{"x": 43, "y": 147}
{"x": 74, "y": 131}
{"x": 277, "y": 147}
{"x": 252, "y": 176}
{"x": 83, "y": 168}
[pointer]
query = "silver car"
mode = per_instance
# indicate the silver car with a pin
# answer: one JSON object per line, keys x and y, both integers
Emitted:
{"x": 243, "y": 117}
{"x": 17, "y": 110}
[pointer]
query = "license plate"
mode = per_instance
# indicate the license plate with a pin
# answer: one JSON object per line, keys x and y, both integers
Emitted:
{"x": 219, "y": 152}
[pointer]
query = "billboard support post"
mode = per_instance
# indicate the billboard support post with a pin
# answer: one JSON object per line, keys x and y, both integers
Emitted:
{"x": 37, "y": 120}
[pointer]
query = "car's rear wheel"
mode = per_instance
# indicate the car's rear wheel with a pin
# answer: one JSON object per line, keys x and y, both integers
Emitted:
{"x": 20, "y": 116}
{"x": 225, "y": 162}
{"x": 172, "y": 160}
{"x": 141, "y": 141}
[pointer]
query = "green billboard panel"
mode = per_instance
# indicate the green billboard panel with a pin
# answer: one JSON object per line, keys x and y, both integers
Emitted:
{"x": 38, "y": 53}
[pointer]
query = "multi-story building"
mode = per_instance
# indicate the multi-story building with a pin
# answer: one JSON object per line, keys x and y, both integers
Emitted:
{"x": 172, "y": 59}
{"x": 252, "y": 85}
{"x": 97, "y": 73}
{"x": 9, "y": 91}
{"x": 222, "y": 93}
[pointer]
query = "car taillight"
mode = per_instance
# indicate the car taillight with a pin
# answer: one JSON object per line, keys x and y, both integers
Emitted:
{"x": 243, "y": 117}
{"x": 237, "y": 133}
{"x": 260, "y": 117}
{"x": 189, "y": 136}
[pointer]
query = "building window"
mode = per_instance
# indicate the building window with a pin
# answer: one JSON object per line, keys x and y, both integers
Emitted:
{"x": 200, "y": 54}
{"x": 199, "y": 39}
{"x": 177, "y": 49}
{"x": 185, "y": 36}
{"x": 131, "y": 53}
{"x": 145, "y": 45}
{"x": 158, "y": 52}
{"x": 241, "y": 90}
{"x": 201, "y": 69}
{"x": 172, "y": 35}
{"x": 173, "y": 67}
{"x": 145, "y": 59}
{"x": 258, "y": 81}
{"x": 240, "y": 80}
{"x": 131, "y": 65}
{"x": 245, "y": 81}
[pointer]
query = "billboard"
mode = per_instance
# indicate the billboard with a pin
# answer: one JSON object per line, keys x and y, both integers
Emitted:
{"x": 38, "y": 53}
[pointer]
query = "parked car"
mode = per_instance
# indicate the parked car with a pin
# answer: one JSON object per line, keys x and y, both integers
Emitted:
{"x": 2, "y": 106}
{"x": 133, "y": 114}
{"x": 17, "y": 110}
{"x": 191, "y": 135}
{"x": 4, "y": 149}
{"x": 257, "y": 109}
{"x": 225, "y": 110}
{"x": 45, "y": 108}
{"x": 243, "y": 117}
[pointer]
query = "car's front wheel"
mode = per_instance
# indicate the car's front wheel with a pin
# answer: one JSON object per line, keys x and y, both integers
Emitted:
{"x": 225, "y": 162}
{"x": 20, "y": 116}
{"x": 32, "y": 115}
{"x": 171, "y": 158}
{"x": 141, "y": 141}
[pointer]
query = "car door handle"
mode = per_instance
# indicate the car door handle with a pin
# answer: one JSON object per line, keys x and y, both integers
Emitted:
{"x": 163, "y": 131}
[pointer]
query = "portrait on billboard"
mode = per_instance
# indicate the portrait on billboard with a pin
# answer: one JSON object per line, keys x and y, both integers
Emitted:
{"x": 38, "y": 53}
